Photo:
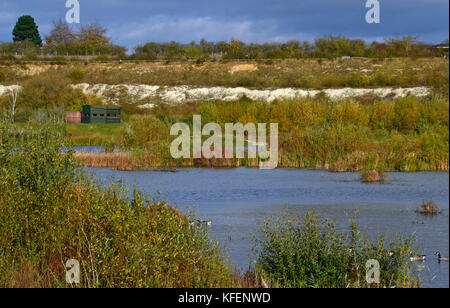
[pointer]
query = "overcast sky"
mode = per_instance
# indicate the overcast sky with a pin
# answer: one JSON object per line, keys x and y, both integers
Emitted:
{"x": 134, "y": 22}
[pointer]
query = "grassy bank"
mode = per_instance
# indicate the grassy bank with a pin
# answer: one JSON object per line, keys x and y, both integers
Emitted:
{"x": 304, "y": 73}
{"x": 94, "y": 134}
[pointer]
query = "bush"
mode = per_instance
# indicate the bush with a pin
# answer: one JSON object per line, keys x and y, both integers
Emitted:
{"x": 428, "y": 208}
{"x": 76, "y": 76}
{"x": 3, "y": 76}
{"x": 48, "y": 90}
{"x": 312, "y": 253}
{"x": 51, "y": 212}
{"x": 144, "y": 132}
{"x": 373, "y": 176}
{"x": 406, "y": 112}
{"x": 347, "y": 113}
{"x": 381, "y": 115}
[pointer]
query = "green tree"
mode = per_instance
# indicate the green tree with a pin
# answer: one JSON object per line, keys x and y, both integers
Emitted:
{"x": 26, "y": 29}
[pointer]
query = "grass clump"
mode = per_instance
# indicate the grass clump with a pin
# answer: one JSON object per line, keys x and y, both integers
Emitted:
{"x": 373, "y": 176}
{"x": 76, "y": 76}
{"x": 311, "y": 252}
{"x": 51, "y": 212}
{"x": 428, "y": 208}
{"x": 373, "y": 170}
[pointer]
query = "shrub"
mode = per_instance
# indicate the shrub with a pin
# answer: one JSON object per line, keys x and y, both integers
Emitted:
{"x": 428, "y": 208}
{"x": 347, "y": 113}
{"x": 144, "y": 132}
{"x": 373, "y": 176}
{"x": 381, "y": 115}
{"x": 312, "y": 253}
{"x": 3, "y": 76}
{"x": 48, "y": 90}
{"x": 51, "y": 212}
{"x": 406, "y": 112}
{"x": 76, "y": 76}
{"x": 326, "y": 143}
{"x": 30, "y": 54}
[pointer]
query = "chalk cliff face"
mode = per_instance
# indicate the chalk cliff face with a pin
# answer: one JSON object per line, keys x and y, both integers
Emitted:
{"x": 148, "y": 95}
{"x": 181, "y": 94}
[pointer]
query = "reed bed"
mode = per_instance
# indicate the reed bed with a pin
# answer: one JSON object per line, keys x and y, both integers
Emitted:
{"x": 127, "y": 161}
{"x": 118, "y": 160}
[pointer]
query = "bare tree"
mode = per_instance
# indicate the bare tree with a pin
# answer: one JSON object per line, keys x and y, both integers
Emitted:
{"x": 13, "y": 94}
{"x": 60, "y": 37}
{"x": 61, "y": 33}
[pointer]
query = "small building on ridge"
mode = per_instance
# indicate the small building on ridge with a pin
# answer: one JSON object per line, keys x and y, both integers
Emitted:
{"x": 95, "y": 114}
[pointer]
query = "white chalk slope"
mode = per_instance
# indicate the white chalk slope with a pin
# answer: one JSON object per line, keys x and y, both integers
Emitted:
{"x": 147, "y": 95}
{"x": 181, "y": 94}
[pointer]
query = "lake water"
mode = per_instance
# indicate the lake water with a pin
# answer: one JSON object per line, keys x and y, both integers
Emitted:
{"x": 237, "y": 199}
{"x": 92, "y": 148}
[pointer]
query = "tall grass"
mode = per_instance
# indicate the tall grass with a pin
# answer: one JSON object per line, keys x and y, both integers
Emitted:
{"x": 311, "y": 252}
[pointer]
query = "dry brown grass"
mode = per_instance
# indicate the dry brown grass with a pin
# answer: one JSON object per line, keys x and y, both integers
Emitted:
{"x": 301, "y": 73}
{"x": 128, "y": 160}
{"x": 373, "y": 176}
{"x": 428, "y": 208}
{"x": 117, "y": 160}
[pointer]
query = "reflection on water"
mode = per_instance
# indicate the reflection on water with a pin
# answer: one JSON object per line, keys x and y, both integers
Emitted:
{"x": 237, "y": 199}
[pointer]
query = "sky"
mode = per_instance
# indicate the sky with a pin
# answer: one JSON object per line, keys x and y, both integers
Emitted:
{"x": 135, "y": 22}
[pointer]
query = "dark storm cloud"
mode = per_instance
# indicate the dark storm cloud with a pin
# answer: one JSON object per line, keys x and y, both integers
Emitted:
{"x": 137, "y": 21}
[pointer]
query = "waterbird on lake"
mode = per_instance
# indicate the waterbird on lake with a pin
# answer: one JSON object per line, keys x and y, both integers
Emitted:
{"x": 438, "y": 254}
{"x": 205, "y": 222}
{"x": 201, "y": 222}
{"x": 415, "y": 258}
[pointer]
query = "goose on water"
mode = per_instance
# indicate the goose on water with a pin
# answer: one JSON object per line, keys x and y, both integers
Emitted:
{"x": 205, "y": 222}
{"x": 438, "y": 254}
{"x": 414, "y": 258}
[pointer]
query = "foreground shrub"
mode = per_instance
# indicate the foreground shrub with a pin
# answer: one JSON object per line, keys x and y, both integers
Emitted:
{"x": 311, "y": 252}
{"x": 51, "y": 212}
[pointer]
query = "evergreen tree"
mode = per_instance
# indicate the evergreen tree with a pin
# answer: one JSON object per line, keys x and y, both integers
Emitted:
{"x": 26, "y": 29}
